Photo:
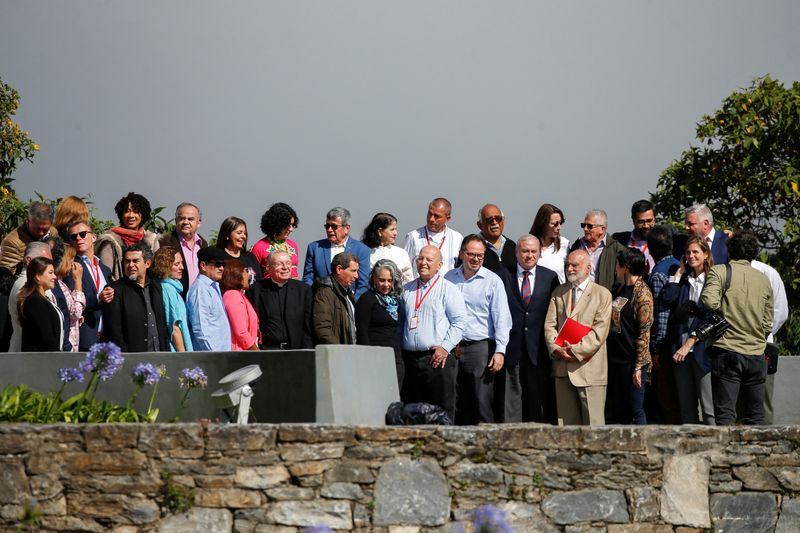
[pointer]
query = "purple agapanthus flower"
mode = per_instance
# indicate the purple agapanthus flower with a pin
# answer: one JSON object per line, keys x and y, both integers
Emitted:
{"x": 145, "y": 374}
{"x": 105, "y": 358}
{"x": 70, "y": 374}
{"x": 193, "y": 377}
{"x": 317, "y": 529}
{"x": 490, "y": 519}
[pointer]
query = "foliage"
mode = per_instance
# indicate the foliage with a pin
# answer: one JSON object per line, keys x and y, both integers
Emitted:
{"x": 31, "y": 516}
{"x": 16, "y": 145}
{"x": 746, "y": 168}
{"x": 159, "y": 224}
{"x": 190, "y": 378}
{"x": 176, "y": 498}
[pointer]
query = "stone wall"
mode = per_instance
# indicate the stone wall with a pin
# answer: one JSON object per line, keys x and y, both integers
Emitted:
{"x": 263, "y": 478}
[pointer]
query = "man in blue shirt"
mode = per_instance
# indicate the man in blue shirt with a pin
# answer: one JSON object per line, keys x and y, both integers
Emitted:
{"x": 433, "y": 319}
{"x": 482, "y": 349}
{"x": 208, "y": 321}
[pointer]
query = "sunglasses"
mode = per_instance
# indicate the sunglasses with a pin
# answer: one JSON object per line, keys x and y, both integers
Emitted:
{"x": 218, "y": 264}
{"x": 492, "y": 220}
{"x": 590, "y": 227}
{"x": 81, "y": 234}
{"x": 334, "y": 227}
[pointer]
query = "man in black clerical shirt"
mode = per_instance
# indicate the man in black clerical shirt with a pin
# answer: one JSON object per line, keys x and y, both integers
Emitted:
{"x": 283, "y": 305}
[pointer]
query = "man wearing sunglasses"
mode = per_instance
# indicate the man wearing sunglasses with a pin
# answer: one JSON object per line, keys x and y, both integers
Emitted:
{"x": 96, "y": 277}
{"x": 320, "y": 253}
{"x": 602, "y": 249}
{"x": 208, "y": 322}
{"x": 501, "y": 251}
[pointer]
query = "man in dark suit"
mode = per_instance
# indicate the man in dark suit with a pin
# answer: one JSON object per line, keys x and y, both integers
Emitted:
{"x": 602, "y": 249}
{"x": 95, "y": 279}
{"x": 643, "y": 215}
{"x": 283, "y": 305}
{"x": 185, "y": 238}
{"x": 320, "y": 253}
{"x": 135, "y": 320}
{"x": 527, "y": 360}
{"x": 501, "y": 251}
{"x": 699, "y": 221}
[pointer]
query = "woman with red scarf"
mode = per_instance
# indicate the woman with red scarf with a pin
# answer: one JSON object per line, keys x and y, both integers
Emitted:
{"x": 133, "y": 211}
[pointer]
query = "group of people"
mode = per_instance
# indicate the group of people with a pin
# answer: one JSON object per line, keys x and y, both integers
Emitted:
{"x": 606, "y": 329}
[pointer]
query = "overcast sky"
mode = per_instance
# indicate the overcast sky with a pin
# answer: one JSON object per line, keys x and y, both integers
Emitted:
{"x": 377, "y": 106}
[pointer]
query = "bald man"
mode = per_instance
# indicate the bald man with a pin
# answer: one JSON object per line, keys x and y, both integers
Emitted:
{"x": 436, "y": 233}
{"x": 501, "y": 252}
{"x": 433, "y": 319}
{"x": 580, "y": 369}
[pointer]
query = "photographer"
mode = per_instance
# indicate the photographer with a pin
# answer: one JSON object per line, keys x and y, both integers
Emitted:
{"x": 745, "y": 302}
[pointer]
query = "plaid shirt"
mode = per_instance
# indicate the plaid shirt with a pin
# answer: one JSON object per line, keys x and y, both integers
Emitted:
{"x": 658, "y": 332}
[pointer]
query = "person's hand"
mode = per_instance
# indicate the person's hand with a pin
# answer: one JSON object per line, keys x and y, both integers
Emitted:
{"x": 106, "y": 295}
{"x": 457, "y": 351}
{"x": 496, "y": 362}
{"x": 562, "y": 353}
{"x": 680, "y": 354}
{"x": 77, "y": 272}
{"x": 637, "y": 378}
{"x": 439, "y": 357}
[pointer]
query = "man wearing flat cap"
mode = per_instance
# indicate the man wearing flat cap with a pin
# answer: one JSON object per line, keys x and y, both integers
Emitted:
{"x": 208, "y": 322}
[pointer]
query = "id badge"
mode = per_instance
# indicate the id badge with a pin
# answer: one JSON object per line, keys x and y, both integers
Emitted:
{"x": 413, "y": 323}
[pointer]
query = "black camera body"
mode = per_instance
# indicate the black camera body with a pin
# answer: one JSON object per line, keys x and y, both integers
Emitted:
{"x": 713, "y": 327}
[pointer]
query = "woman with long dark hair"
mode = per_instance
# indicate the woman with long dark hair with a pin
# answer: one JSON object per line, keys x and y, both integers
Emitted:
{"x": 380, "y": 236}
{"x": 547, "y": 228}
{"x": 40, "y": 318}
{"x": 277, "y": 223}
{"x": 232, "y": 238}
{"x": 241, "y": 315}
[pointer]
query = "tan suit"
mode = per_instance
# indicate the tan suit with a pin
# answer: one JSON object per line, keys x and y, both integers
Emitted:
{"x": 581, "y": 384}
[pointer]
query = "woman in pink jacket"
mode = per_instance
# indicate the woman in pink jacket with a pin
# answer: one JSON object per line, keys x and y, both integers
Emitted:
{"x": 241, "y": 315}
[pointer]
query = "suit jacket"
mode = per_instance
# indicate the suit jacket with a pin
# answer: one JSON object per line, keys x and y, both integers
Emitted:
{"x": 527, "y": 322}
{"x": 124, "y": 319}
{"x": 63, "y": 305}
{"x": 297, "y": 312}
{"x": 171, "y": 239}
{"x": 318, "y": 262}
{"x": 93, "y": 311}
{"x": 719, "y": 247}
{"x": 606, "y": 274}
{"x": 593, "y": 309}
{"x": 508, "y": 259}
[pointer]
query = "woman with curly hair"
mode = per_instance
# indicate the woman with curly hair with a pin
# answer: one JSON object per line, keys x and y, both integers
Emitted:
{"x": 168, "y": 268}
{"x": 232, "y": 239}
{"x": 380, "y": 236}
{"x": 133, "y": 211}
{"x": 277, "y": 223}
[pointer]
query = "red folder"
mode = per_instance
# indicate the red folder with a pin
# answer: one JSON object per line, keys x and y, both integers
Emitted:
{"x": 572, "y": 331}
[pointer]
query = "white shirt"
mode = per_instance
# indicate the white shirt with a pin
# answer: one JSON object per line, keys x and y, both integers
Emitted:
{"x": 395, "y": 254}
{"x": 696, "y": 286}
{"x": 710, "y": 236}
{"x": 521, "y": 276}
{"x": 448, "y": 242}
{"x": 578, "y": 290}
{"x": 779, "y": 302}
{"x": 336, "y": 249}
{"x": 555, "y": 260}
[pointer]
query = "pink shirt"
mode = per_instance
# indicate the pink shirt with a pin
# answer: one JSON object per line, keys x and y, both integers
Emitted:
{"x": 263, "y": 248}
{"x": 190, "y": 255}
{"x": 242, "y": 318}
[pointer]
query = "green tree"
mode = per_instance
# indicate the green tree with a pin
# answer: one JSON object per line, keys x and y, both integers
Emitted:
{"x": 746, "y": 167}
{"x": 15, "y": 144}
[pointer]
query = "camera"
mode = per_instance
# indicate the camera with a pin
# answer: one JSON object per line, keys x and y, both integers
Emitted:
{"x": 713, "y": 327}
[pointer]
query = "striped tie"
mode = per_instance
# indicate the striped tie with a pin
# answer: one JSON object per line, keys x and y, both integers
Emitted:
{"x": 525, "y": 293}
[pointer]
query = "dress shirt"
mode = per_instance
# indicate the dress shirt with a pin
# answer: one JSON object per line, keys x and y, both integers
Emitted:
{"x": 555, "y": 259}
{"x": 99, "y": 280}
{"x": 486, "y": 304}
{"x": 577, "y": 291}
{"x": 336, "y": 249}
{"x": 521, "y": 276}
{"x": 641, "y": 244}
{"x": 710, "y": 236}
{"x": 450, "y": 247}
{"x": 208, "y": 321}
{"x": 594, "y": 256}
{"x": 695, "y": 290}
{"x": 190, "y": 254}
{"x": 780, "y": 304}
{"x": 441, "y": 318}
{"x": 395, "y": 254}
{"x": 492, "y": 247}
{"x": 175, "y": 311}
{"x": 152, "y": 329}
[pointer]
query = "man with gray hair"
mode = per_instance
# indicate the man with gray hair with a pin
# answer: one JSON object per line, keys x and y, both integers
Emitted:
{"x": 320, "y": 253}
{"x": 602, "y": 249}
{"x": 334, "y": 305}
{"x": 699, "y": 221}
{"x": 187, "y": 241}
{"x": 135, "y": 320}
{"x": 38, "y": 223}
{"x": 33, "y": 250}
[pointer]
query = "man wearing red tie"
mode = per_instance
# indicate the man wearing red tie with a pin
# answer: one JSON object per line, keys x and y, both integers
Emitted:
{"x": 580, "y": 370}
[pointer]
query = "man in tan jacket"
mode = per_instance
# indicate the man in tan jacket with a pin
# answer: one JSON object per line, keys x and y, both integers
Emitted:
{"x": 38, "y": 223}
{"x": 580, "y": 370}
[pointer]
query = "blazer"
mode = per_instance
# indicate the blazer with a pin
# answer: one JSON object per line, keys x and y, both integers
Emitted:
{"x": 297, "y": 313}
{"x": 93, "y": 311}
{"x": 171, "y": 239}
{"x": 606, "y": 274}
{"x": 719, "y": 247}
{"x": 593, "y": 309}
{"x": 41, "y": 325}
{"x": 508, "y": 259}
{"x": 124, "y": 320}
{"x": 318, "y": 262}
{"x": 676, "y": 296}
{"x": 527, "y": 322}
{"x": 61, "y": 302}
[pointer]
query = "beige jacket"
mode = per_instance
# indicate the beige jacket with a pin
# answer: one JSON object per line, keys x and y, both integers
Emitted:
{"x": 108, "y": 250}
{"x": 12, "y": 249}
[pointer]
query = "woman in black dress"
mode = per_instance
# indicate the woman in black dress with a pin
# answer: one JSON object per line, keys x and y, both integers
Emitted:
{"x": 41, "y": 320}
{"x": 376, "y": 312}
{"x": 232, "y": 238}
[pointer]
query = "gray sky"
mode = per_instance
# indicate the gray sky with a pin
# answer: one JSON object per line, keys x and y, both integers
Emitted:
{"x": 377, "y": 106}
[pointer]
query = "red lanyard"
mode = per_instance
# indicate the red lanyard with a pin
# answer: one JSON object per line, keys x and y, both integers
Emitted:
{"x": 417, "y": 300}
{"x": 95, "y": 273}
{"x": 427, "y": 238}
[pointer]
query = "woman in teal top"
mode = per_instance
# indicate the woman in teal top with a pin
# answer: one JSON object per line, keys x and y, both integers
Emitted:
{"x": 168, "y": 267}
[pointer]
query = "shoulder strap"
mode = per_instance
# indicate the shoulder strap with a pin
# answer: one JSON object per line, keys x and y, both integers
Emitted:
{"x": 727, "y": 276}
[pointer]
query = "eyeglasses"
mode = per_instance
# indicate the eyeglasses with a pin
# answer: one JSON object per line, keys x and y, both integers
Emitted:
{"x": 496, "y": 218}
{"x": 81, "y": 234}
{"x": 334, "y": 227}
{"x": 590, "y": 227}
{"x": 473, "y": 255}
{"x": 217, "y": 264}
{"x": 558, "y": 223}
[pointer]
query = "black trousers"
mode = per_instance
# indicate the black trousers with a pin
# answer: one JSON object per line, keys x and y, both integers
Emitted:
{"x": 733, "y": 374}
{"x": 422, "y": 383}
{"x": 475, "y": 384}
{"x": 538, "y": 392}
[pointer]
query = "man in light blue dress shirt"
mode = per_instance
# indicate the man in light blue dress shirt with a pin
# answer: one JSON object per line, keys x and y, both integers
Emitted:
{"x": 433, "y": 320}
{"x": 482, "y": 349}
{"x": 208, "y": 321}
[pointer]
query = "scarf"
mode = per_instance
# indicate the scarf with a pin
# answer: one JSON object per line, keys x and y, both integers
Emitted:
{"x": 129, "y": 236}
{"x": 389, "y": 303}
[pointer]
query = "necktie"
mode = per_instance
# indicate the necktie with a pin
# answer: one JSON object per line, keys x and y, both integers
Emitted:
{"x": 525, "y": 293}
{"x": 574, "y": 296}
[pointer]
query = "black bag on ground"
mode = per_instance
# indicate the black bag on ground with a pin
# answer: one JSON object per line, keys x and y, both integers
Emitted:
{"x": 771, "y": 353}
{"x": 399, "y": 414}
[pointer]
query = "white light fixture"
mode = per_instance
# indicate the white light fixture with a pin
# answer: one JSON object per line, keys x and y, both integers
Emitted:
{"x": 235, "y": 391}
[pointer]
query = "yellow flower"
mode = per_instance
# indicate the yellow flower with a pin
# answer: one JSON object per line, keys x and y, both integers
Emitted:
{"x": 35, "y": 146}
{"x": 795, "y": 187}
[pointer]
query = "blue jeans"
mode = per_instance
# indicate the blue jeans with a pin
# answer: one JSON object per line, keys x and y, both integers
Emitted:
{"x": 624, "y": 402}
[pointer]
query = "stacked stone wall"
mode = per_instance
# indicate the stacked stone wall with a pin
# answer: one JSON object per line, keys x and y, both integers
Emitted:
{"x": 263, "y": 478}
